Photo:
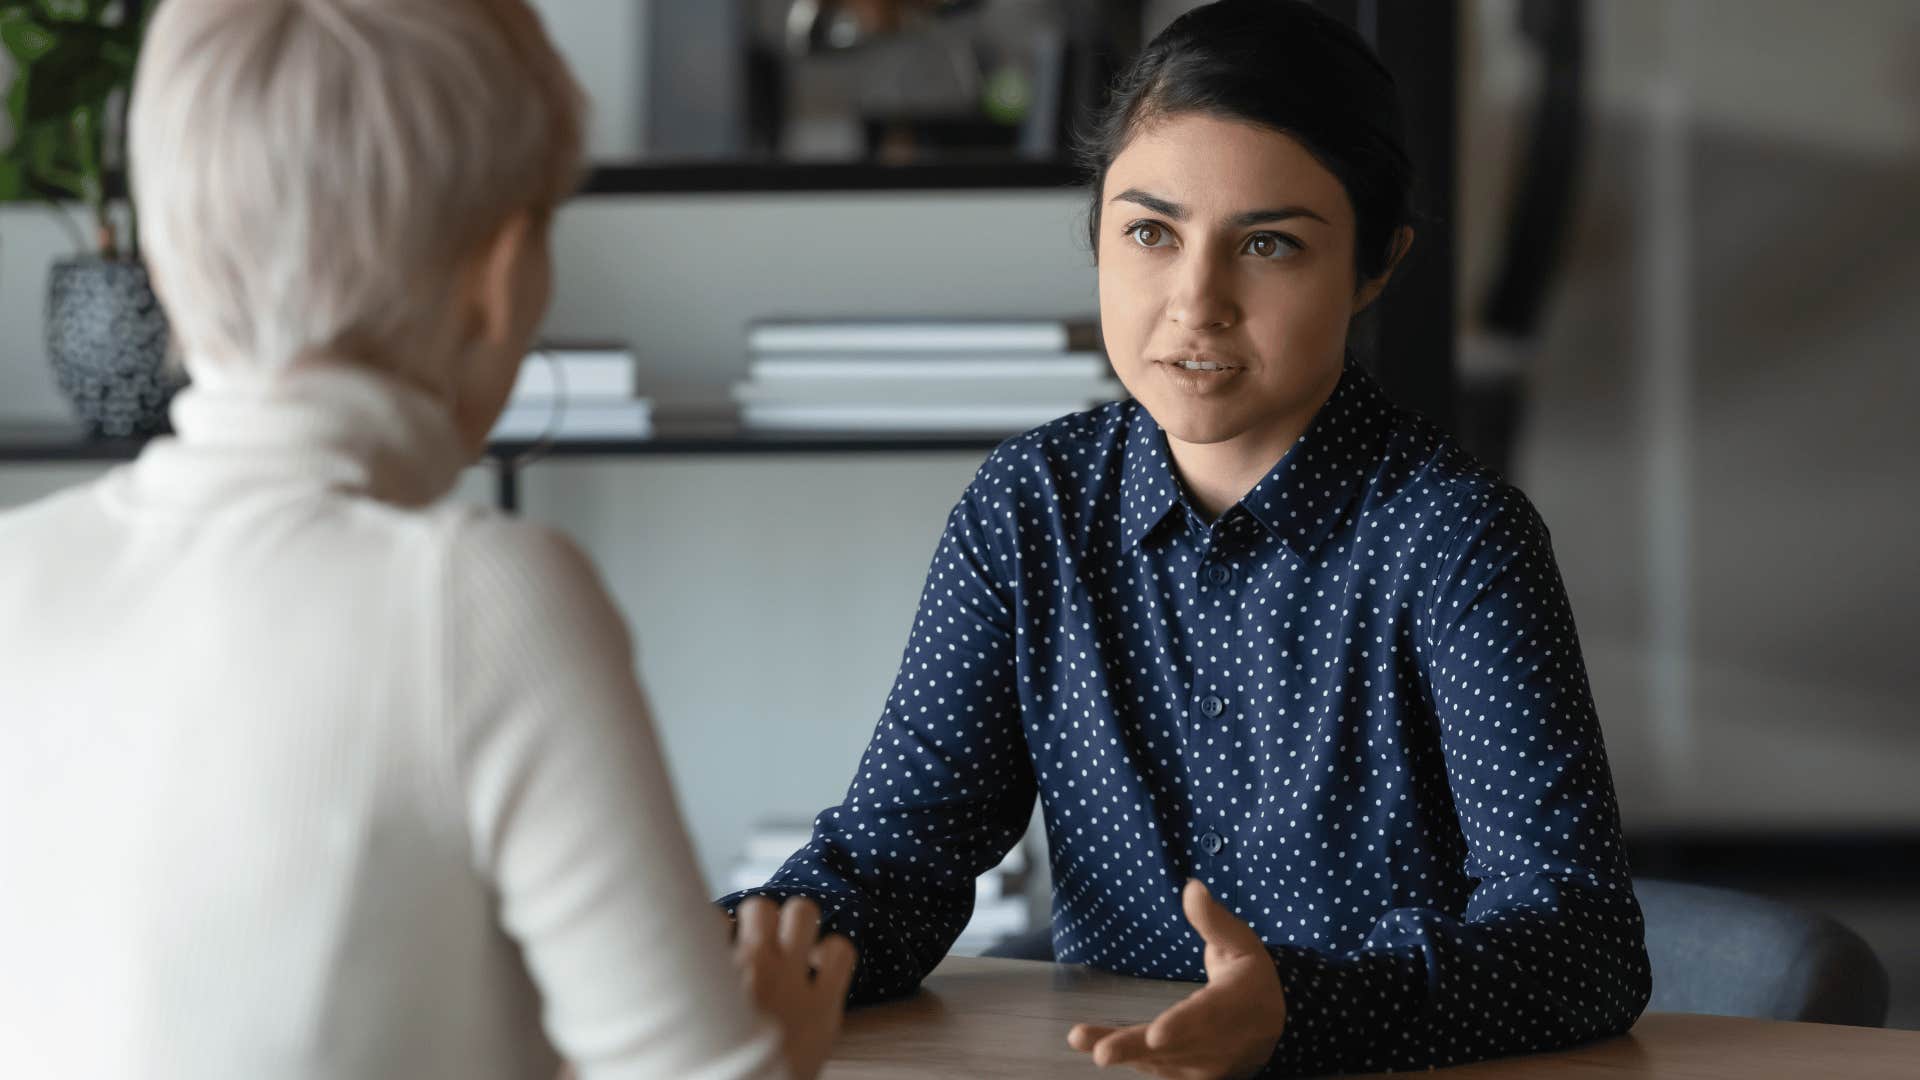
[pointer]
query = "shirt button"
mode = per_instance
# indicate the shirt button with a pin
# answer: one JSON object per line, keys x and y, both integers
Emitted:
{"x": 1212, "y": 842}
{"x": 1219, "y": 575}
{"x": 1212, "y": 706}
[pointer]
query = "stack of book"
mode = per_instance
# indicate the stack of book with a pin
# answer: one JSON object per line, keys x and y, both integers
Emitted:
{"x": 998, "y": 376}
{"x": 1000, "y": 905}
{"x": 576, "y": 391}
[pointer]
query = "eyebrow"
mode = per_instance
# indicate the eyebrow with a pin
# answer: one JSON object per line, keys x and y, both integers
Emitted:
{"x": 1243, "y": 220}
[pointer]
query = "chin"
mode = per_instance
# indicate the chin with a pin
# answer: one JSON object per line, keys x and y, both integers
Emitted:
{"x": 1195, "y": 422}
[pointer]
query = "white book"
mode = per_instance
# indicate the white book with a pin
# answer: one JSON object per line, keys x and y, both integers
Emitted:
{"x": 750, "y": 876}
{"x": 1011, "y": 912}
{"x": 575, "y": 373}
{"x": 575, "y": 419}
{"x": 944, "y": 366}
{"x": 925, "y": 392}
{"x": 996, "y": 920}
{"x": 883, "y": 335}
{"x": 1015, "y": 862}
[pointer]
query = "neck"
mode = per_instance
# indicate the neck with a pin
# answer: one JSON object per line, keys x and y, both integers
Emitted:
{"x": 335, "y": 423}
{"x": 1219, "y": 474}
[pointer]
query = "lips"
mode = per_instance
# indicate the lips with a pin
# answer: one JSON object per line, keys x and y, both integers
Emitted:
{"x": 1201, "y": 375}
{"x": 1200, "y": 362}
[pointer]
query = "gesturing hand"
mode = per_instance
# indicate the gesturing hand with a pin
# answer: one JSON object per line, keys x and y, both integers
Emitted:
{"x": 1227, "y": 1028}
{"x": 793, "y": 976}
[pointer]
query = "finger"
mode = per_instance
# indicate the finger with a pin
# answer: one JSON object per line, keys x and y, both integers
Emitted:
{"x": 727, "y": 924}
{"x": 799, "y": 927}
{"x": 1127, "y": 1044}
{"x": 1217, "y": 926}
{"x": 833, "y": 961}
{"x": 1083, "y": 1037}
{"x": 1183, "y": 1024}
{"x": 755, "y": 919}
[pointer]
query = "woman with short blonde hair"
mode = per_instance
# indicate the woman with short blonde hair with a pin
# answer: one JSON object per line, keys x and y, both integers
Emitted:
{"x": 305, "y": 771}
{"x": 314, "y": 176}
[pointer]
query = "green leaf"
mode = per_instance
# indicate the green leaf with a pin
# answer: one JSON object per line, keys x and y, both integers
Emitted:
{"x": 46, "y": 153}
{"x": 70, "y": 77}
{"x": 89, "y": 11}
{"x": 17, "y": 103}
{"x": 26, "y": 39}
{"x": 72, "y": 64}
{"x": 86, "y": 132}
{"x": 123, "y": 53}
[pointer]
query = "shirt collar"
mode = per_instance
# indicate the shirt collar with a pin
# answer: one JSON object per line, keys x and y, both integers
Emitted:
{"x": 1300, "y": 501}
{"x": 331, "y": 424}
{"x": 1148, "y": 488}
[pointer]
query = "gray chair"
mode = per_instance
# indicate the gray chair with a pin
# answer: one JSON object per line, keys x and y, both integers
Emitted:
{"x": 1719, "y": 951}
{"x": 1736, "y": 954}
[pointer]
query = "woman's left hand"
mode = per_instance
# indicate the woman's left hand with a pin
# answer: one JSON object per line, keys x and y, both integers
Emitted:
{"x": 1227, "y": 1028}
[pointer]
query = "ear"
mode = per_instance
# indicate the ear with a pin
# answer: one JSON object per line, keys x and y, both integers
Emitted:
{"x": 1369, "y": 292}
{"x": 493, "y": 285}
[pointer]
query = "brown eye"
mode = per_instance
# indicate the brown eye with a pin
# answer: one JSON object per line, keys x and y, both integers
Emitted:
{"x": 1148, "y": 234}
{"x": 1268, "y": 245}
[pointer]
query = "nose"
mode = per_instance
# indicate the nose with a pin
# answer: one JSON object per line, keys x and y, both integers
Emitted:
{"x": 1203, "y": 299}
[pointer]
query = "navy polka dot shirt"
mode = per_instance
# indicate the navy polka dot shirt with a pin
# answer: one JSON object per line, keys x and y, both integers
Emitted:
{"x": 1354, "y": 705}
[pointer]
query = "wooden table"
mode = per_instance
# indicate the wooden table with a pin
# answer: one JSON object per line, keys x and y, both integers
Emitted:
{"x": 1009, "y": 1018}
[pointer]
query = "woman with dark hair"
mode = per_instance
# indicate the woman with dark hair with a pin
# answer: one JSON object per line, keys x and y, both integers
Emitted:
{"x": 1294, "y": 679}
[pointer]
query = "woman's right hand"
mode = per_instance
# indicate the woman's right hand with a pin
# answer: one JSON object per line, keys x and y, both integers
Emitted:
{"x": 794, "y": 976}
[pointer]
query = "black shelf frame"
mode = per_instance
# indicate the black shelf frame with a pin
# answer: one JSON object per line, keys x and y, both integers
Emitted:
{"x": 511, "y": 458}
{"x": 67, "y": 445}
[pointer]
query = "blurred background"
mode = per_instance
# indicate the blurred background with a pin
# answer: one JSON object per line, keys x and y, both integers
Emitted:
{"x": 1667, "y": 284}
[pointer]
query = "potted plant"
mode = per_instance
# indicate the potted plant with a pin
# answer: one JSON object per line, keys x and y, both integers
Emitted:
{"x": 107, "y": 337}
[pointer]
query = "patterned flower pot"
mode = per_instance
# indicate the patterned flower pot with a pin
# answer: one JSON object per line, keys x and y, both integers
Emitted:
{"x": 107, "y": 341}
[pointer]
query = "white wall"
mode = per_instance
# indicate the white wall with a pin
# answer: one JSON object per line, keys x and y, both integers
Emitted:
{"x": 1721, "y": 432}
{"x": 31, "y": 238}
{"x": 604, "y": 41}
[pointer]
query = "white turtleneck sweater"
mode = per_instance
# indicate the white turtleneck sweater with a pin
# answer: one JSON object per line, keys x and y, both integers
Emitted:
{"x": 306, "y": 773}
